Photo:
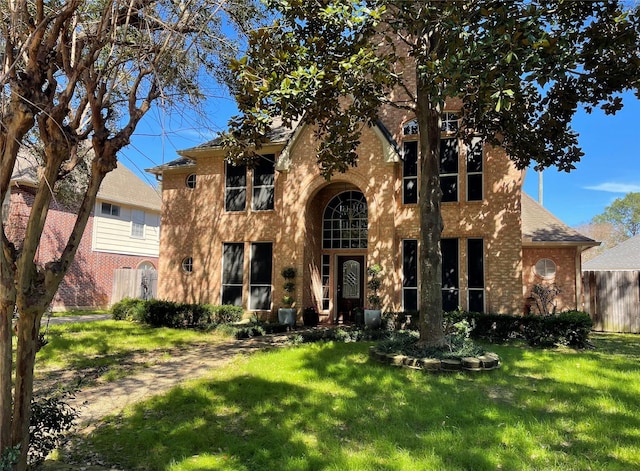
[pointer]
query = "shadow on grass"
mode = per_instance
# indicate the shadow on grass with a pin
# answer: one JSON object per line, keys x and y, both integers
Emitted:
{"x": 327, "y": 407}
{"x": 104, "y": 343}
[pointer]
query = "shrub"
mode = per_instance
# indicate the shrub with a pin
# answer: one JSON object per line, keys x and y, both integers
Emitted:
{"x": 51, "y": 417}
{"x": 159, "y": 313}
{"x": 570, "y": 328}
{"x": 128, "y": 309}
{"x": 567, "y": 328}
{"x": 225, "y": 314}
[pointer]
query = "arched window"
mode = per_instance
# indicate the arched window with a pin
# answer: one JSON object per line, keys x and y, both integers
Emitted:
{"x": 191, "y": 181}
{"x": 146, "y": 265}
{"x": 345, "y": 222}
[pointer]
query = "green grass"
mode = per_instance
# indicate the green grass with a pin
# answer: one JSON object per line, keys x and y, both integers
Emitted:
{"x": 328, "y": 407}
{"x": 83, "y": 345}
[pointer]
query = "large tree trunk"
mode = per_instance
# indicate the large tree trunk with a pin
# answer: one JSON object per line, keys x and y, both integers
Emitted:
{"x": 28, "y": 330}
{"x": 428, "y": 116}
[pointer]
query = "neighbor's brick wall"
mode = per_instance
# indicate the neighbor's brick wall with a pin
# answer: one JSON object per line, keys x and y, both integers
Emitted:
{"x": 89, "y": 281}
{"x": 565, "y": 278}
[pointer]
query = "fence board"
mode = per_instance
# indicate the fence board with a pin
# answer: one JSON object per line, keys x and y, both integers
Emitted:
{"x": 128, "y": 283}
{"x": 612, "y": 298}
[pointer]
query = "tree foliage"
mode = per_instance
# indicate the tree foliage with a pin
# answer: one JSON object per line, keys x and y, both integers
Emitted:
{"x": 79, "y": 76}
{"x": 623, "y": 214}
{"x": 520, "y": 69}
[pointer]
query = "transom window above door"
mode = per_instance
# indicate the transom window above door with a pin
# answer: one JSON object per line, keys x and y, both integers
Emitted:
{"x": 345, "y": 222}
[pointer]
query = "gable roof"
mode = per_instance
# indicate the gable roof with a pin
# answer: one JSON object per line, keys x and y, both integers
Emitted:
{"x": 624, "y": 256}
{"x": 120, "y": 185}
{"x": 282, "y": 138}
{"x": 539, "y": 226}
{"x": 123, "y": 186}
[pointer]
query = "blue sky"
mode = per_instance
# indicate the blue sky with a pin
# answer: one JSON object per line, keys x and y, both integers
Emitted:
{"x": 609, "y": 169}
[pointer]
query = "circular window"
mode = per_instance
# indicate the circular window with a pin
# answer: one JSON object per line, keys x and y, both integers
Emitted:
{"x": 187, "y": 264}
{"x": 191, "y": 181}
{"x": 545, "y": 267}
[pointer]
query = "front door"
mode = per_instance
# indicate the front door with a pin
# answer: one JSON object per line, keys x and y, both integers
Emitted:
{"x": 350, "y": 289}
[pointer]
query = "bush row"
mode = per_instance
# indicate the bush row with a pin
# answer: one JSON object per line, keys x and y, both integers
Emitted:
{"x": 159, "y": 313}
{"x": 569, "y": 328}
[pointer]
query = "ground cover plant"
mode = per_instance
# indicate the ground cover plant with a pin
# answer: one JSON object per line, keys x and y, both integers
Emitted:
{"x": 326, "y": 406}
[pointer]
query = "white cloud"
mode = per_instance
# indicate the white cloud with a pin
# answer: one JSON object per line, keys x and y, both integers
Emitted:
{"x": 613, "y": 187}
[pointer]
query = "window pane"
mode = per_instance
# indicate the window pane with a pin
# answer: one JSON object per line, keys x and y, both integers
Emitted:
{"x": 474, "y": 187}
{"x": 236, "y": 175}
{"x": 260, "y": 298}
{"x": 410, "y": 160}
{"x": 262, "y": 198}
{"x": 410, "y": 263}
{"x": 410, "y": 299}
{"x": 449, "y": 156}
{"x": 475, "y": 258}
{"x": 410, "y": 191}
{"x": 261, "y": 261}
{"x": 450, "y": 300}
{"x": 236, "y": 199}
{"x": 476, "y": 300}
{"x": 232, "y": 295}
{"x": 449, "y": 187}
{"x": 474, "y": 155}
{"x": 263, "y": 173}
{"x": 450, "y": 277}
{"x": 233, "y": 260}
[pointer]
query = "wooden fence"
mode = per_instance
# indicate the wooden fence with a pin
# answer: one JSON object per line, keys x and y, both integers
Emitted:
{"x": 612, "y": 298}
{"x": 128, "y": 283}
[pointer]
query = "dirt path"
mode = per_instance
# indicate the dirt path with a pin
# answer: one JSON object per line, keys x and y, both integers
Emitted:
{"x": 167, "y": 371}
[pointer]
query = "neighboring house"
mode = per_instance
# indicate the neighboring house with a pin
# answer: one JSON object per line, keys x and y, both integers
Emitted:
{"x": 623, "y": 257}
{"x": 122, "y": 232}
{"x": 228, "y": 231}
{"x": 612, "y": 288}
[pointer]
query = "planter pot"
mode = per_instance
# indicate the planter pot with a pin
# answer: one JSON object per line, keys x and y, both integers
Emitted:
{"x": 287, "y": 315}
{"x": 372, "y": 317}
{"x": 310, "y": 318}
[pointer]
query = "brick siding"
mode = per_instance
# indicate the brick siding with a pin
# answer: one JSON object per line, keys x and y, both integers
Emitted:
{"x": 89, "y": 282}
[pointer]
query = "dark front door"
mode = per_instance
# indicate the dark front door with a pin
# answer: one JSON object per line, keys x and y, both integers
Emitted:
{"x": 350, "y": 290}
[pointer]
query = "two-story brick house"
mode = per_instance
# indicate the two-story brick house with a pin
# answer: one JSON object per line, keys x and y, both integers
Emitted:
{"x": 122, "y": 232}
{"x": 228, "y": 231}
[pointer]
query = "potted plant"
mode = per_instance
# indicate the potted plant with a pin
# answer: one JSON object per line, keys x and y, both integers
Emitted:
{"x": 310, "y": 317}
{"x": 287, "y": 314}
{"x": 373, "y": 315}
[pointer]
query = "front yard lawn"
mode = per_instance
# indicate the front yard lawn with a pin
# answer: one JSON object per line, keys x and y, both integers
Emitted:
{"x": 328, "y": 407}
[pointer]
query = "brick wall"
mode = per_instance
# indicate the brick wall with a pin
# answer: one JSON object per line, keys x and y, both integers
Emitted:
{"x": 195, "y": 224}
{"x": 565, "y": 276}
{"x": 89, "y": 281}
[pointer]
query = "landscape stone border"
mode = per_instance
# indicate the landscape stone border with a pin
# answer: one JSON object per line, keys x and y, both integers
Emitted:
{"x": 488, "y": 361}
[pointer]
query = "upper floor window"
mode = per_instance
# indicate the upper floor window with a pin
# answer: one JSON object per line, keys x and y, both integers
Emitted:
{"x": 449, "y": 169}
{"x": 263, "y": 183}
{"x": 410, "y": 128}
{"x": 474, "y": 170}
{"x": 235, "y": 187}
{"x": 190, "y": 181}
{"x": 410, "y": 173}
{"x": 110, "y": 209}
{"x": 449, "y": 122}
{"x": 137, "y": 223}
